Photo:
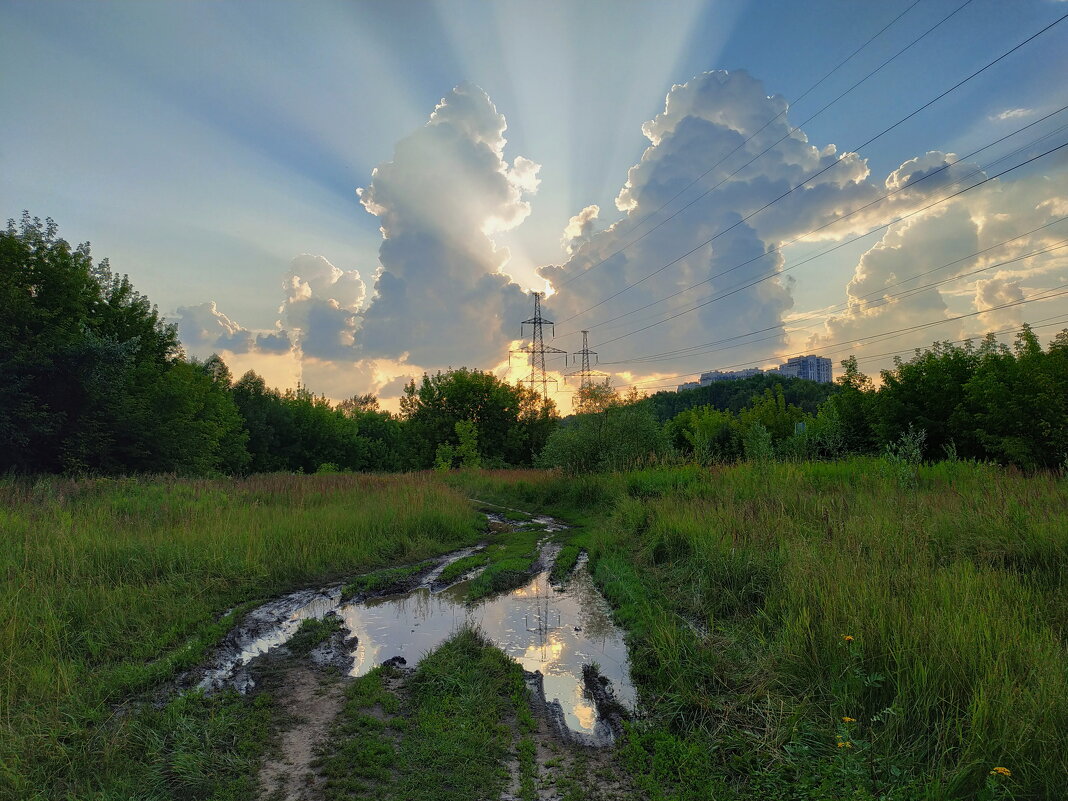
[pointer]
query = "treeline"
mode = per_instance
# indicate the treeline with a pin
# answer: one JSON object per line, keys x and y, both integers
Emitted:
{"x": 93, "y": 380}
{"x": 988, "y": 402}
{"x": 735, "y": 395}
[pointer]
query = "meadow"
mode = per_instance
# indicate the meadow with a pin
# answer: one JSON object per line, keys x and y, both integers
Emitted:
{"x": 832, "y": 630}
{"x": 113, "y": 586}
{"x": 857, "y": 629}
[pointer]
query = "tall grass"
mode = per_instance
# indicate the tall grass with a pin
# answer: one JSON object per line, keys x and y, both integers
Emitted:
{"x": 110, "y": 586}
{"x": 768, "y": 602}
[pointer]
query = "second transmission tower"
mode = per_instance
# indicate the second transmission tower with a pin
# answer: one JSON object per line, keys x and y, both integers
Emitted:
{"x": 585, "y": 373}
{"x": 537, "y": 349}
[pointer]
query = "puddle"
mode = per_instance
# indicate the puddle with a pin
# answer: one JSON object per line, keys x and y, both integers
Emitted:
{"x": 544, "y": 629}
{"x": 554, "y": 631}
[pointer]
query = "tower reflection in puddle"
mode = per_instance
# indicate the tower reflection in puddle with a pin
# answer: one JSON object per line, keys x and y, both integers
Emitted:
{"x": 541, "y": 628}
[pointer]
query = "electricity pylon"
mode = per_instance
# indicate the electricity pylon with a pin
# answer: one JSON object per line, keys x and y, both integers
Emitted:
{"x": 585, "y": 373}
{"x": 537, "y": 350}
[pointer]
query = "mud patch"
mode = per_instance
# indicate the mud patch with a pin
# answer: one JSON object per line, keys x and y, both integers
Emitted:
{"x": 265, "y": 627}
{"x": 310, "y": 701}
{"x": 569, "y": 765}
{"x": 548, "y": 631}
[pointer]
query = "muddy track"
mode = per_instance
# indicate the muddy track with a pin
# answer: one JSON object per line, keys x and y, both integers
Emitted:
{"x": 575, "y": 727}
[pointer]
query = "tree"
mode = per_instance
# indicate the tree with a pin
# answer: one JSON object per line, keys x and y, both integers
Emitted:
{"x": 595, "y": 397}
{"x": 711, "y": 435}
{"x": 622, "y": 436}
{"x": 1018, "y": 401}
{"x": 854, "y": 404}
{"x": 358, "y": 404}
{"x": 511, "y": 422}
{"x": 82, "y": 355}
{"x": 927, "y": 392}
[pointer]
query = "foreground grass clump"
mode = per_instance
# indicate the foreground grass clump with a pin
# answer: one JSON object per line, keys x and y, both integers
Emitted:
{"x": 510, "y": 561}
{"x": 381, "y": 580}
{"x": 564, "y": 563}
{"x": 824, "y": 630}
{"x": 112, "y": 586}
{"x": 443, "y": 732}
{"x": 462, "y": 566}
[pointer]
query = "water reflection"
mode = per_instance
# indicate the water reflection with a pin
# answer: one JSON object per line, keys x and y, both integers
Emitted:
{"x": 541, "y": 628}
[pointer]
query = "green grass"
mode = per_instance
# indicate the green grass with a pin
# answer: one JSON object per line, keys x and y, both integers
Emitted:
{"x": 511, "y": 559}
{"x": 113, "y": 586}
{"x": 444, "y": 737}
{"x": 564, "y": 563}
{"x": 311, "y": 633}
{"x": 737, "y": 587}
{"x": 579, "y": 499}
{"x": 462, "y": 566}
{"x": 381, "y": 580}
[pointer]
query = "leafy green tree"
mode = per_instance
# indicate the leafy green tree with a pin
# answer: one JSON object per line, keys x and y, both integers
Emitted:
{"x": 1019, "y": 401}
{"x": 736, "y": 395}
{"x": 772, "y": 412}
{"x": 927, "y": 392}
{"x": 595, "y": 396}
{"x": 854, "y": 405}
{"x": 266, "y": 420}
{"x": 200, "y": 429}
{"x": 300, "y": 432}
{"x": 621, "y": 437}
{"x": 467, "y": 447}
{"x": 511, "y": 422}
{"x": 709, "y": 434}
{"x": 90, "y": 377}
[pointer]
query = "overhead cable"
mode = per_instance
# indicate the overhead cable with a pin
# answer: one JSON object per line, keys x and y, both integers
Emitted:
{"x": 833, "y": 164}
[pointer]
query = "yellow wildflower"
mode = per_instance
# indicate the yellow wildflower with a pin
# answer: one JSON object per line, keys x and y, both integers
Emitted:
{"x": 999, "y": 771}
{"x": 845, "y": 744}
{"x": 849, "y": 720}
{"x": 847, "y": 637}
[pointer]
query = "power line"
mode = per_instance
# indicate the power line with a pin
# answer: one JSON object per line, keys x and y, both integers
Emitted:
{"x": 833, "y": 164}
{"x": 756, "y": 133}
{"x": 685, "y": 353}
{"x": 1059, "y": 319}
{"x": 773, "y": 275}
{"x": 888, "y": 334}
{"x": 910, "y": 185}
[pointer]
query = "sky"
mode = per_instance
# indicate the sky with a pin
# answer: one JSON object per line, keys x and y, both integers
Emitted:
{"x": 348, "y": 194}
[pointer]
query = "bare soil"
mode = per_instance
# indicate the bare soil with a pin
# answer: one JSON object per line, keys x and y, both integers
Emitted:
{"x": 310, "y": 700}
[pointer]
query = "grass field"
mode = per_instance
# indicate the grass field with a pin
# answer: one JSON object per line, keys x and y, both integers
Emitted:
{"x": 832, "y": 630}
{"x": 797, "y": 631}
{"x": 445, "y": 735}
{"x": 111, "y": 587}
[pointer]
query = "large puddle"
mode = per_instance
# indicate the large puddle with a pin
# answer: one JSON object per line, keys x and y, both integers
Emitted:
{"x": 542, "y": 628}
{"x": 551, "y": 630}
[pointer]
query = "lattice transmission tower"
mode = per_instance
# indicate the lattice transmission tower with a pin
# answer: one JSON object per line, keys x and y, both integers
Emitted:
{"x": 537, "y": 350}
{"x": 586, "y": 374}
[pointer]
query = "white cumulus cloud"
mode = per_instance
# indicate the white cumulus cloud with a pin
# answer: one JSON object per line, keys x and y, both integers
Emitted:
{"x": 204, "y": 329}
{"x": 443, "y": 296}
{"x": 1013, "y": 114}
{"x": 321, "y": 308}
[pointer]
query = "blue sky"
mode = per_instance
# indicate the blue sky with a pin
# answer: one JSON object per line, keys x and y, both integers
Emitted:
{"x": 202, "y": 146}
